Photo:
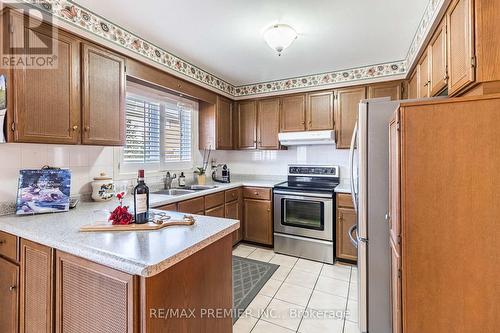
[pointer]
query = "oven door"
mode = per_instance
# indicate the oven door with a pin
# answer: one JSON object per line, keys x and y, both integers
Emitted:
{"x": 304, "y": 214}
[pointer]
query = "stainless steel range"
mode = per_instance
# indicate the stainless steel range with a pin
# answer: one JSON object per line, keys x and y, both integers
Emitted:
{"x": 304, "y": 212}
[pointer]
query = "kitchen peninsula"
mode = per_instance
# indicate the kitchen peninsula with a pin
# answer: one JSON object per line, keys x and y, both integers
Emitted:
{"x": 72, "y": 281}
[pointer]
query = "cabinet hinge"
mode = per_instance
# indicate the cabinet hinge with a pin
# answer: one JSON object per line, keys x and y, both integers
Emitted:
{"x": 398, "y": 126}
{"x": 13, "y": 126}
{"x": 11, "y": 28}
{"x": 399, "y": 273}
{"x": 473, "y": 61}
{"x": 399, "y": 239}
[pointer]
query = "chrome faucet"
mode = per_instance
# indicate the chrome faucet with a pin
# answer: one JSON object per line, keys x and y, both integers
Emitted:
{"x": 168, "y": 180}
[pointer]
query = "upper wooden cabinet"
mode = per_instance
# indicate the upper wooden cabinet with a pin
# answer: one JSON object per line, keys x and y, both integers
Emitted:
{"x": 247, "y": 125}
{"x": 46, "y": 105}
{"x": 319, "y": 111}
{"x": 437, "y": 61}
{"x": 391, "y": 89}
{"x": 293, "y": 113}
{"x": 268, "y": 117}
{"x": 216, "y": 124}
{"x": 413, "y": 85}
{"x": 423, "y": 76}
{"x": 346, "y": 111}
{"x": 460, "y": 42}
{"x": 103, "y": 91}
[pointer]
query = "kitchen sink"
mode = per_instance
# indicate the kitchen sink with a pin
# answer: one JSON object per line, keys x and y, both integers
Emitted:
{"x": 174, "y": 191}
{"x": 202, "y": 187}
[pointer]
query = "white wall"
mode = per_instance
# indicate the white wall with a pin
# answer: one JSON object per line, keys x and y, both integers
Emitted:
{"x": 272, "y": 162}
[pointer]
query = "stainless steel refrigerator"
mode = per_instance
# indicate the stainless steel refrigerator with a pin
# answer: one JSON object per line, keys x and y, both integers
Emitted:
{"x": 369, "y": 163}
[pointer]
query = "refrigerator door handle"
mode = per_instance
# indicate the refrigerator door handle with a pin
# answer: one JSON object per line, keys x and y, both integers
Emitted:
{"x": 353, "y": 239}
{"x": 351, "y": 166}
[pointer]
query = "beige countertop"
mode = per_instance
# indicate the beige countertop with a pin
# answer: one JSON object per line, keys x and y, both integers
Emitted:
{"x": 144, "y": 253}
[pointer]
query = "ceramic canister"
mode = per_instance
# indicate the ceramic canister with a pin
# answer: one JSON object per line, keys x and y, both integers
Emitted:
{"x": 102, "y": 188}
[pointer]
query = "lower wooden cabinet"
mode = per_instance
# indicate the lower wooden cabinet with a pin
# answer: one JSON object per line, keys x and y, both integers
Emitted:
{"x": 216, "y": 211}
{"x": 192, "y": 206}
{"x": 37, "y": 288}
{"x": 233, "y": 211}
{"x": 258, "y": 226}
{"x": 396, "y": 285}
{"x": 92, "y": 296}
{"x": 346, "y": 218}
{"x": 9, "y": 296}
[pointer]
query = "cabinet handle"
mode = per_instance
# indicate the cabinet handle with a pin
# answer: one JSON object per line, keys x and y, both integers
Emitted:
{"x": 74, "y": 128}
{"x": 256, "y": 193}
{"x": 87, "y": 128}
{"x": 12, "y": 288}
{"x": 269, "y": 210}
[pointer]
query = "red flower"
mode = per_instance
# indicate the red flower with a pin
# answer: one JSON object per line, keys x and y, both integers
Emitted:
{"x": 120, "y": 216}
{"x": 120, "y": 195}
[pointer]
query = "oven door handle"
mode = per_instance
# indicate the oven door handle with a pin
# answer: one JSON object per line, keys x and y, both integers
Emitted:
{"x": 300, "y": 194}
{"x": 353, "y": 240}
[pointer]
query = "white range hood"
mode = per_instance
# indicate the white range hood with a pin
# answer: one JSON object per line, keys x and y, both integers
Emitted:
{"x": 307, "y": 138}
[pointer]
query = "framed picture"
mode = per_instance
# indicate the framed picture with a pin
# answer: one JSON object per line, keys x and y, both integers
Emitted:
{"x": 43, "y": 191}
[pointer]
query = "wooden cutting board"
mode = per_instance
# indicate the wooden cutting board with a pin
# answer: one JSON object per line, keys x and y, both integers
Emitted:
{"x": 133, "y": 226}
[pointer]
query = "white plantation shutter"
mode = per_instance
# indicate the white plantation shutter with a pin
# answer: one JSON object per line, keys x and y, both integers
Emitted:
{"x": 158, "y": 128}
{"x": 142, "y": 131}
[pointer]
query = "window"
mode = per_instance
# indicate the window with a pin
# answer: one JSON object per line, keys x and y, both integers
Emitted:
{"x": 158, "y": 130}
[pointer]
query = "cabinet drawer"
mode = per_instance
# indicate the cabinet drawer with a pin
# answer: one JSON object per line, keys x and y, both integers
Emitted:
{"x": 213, "y": 200}
{"x": 8, "y": 246}
{"x": 257, "y": 193}
{"x": 232, "y": 195}
{"x": 170, "y": 207}
{"x": 192, "y": 206}
{"x": 216, "y": 212}
{"x": 344, "y": 200}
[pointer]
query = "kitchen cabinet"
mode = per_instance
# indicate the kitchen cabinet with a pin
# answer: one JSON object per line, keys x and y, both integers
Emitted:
{"x": 233, "y": 211}
{"x": 437, "y": 61}
{"x": 293, "y": 113}
{"x": 319, "y": 111}
{"x": 46, "y": 105}
{"x": 392, "y": 89}
{"x": 247, "y": 125}
{"x": 433, "y": 212}
{"x": 9, "y": 296}
{"x": 257, "y": 215}
{"x": 423, "y": 76}
{"x": 170, "y": 207}
{"x": 346, "y": 113}
{"x": 214, "y": 200}
{"x": 216, "y": 124}
{"x": 460, "y": 45}
{"x": 413, "y": 85}
{"x": 36, "y": 288}
{"x": 268, "y": 123}
{"x": 192, "y": 206}
{"x": 9, "y": 246}
{"x": 216, "y": 211}
{"x": 103, "y": 96}
{"x": 113, "y": 291}
{"x": 346, "y": 218}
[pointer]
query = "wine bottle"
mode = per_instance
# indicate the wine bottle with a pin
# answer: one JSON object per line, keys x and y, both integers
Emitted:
{"x": 141, "y": 200}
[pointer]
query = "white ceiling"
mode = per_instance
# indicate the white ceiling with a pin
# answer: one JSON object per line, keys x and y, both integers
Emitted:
{"x": 224, "y": 37}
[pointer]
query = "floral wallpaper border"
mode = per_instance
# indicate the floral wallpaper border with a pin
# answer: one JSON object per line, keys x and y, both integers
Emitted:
{"x": 79, "y": 16}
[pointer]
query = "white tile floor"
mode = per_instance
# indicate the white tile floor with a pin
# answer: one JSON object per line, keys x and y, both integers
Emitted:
{"x": 302, "y": 296}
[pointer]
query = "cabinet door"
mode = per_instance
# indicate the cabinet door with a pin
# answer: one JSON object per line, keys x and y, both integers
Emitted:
{"x": 389, "y": 89}
{"x": 396, "y": 290}
{"x": 224, "y": 128}
{"x": 423, "y": 76}
{"x": 413, "y": 85}
{"x": 47, "y": 101}
{"x": 320, "y": 111}
{"x": 258, "y": 221}
{"x": 437, "y": 61}
{"x": 215, "y": 212}
{"x": 9, "y": 296}
{"x": 293, "y": 113}
{"x": 92, "y": 296}
{"x": 346, "y": 218}
{"x": 233, "y": 211}
{"x": 268, "y": 118}
{"x": 346, "y": 113}
{"x": 103, "y": 91}
{"x": 394, "y": 181}
{"x": 460, "y": 42}
{"x": 247, "y": 125}
{"x": 37, "y": 277}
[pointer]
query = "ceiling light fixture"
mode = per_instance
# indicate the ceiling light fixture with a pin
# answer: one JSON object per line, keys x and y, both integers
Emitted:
{"x": 279, "y": 37}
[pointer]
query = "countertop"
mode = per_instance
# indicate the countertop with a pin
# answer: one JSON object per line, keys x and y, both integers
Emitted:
{"x": 143, "y": 253}
{"x": 343, "y": 187}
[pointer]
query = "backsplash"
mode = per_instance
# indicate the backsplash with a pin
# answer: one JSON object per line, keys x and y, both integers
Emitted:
{"x": 274, "y": 162}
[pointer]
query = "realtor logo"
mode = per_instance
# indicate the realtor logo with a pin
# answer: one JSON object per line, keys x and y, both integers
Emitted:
{"x": 29, "y": 39}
